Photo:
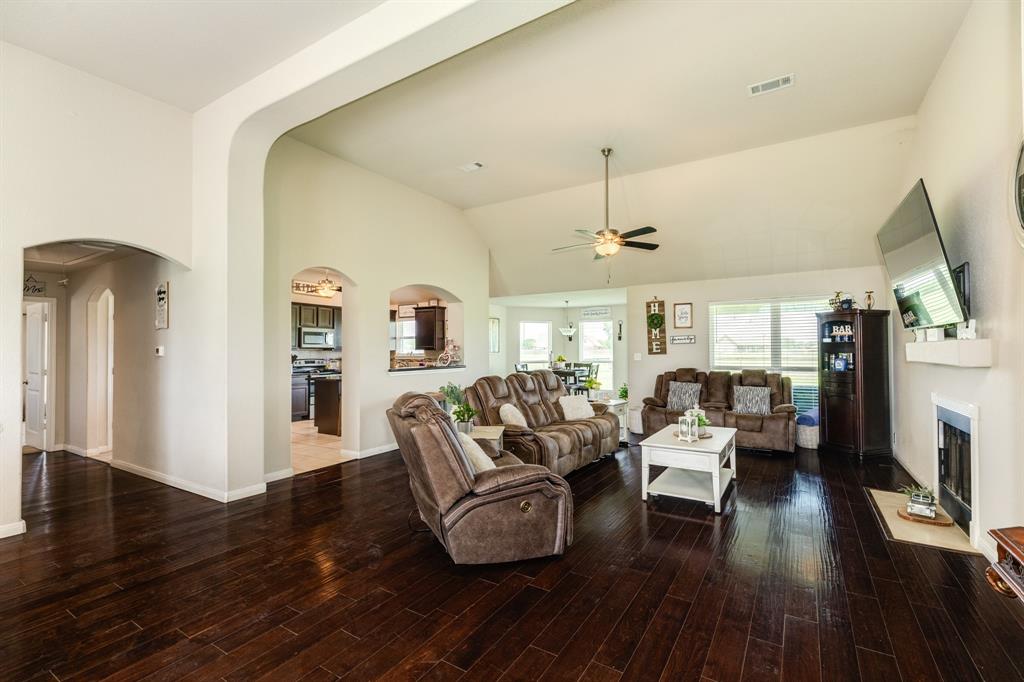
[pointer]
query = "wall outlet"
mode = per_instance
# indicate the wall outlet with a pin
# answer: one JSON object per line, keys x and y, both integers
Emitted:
{"x": 160, "y": 351}
{"x": 637, "y": 357}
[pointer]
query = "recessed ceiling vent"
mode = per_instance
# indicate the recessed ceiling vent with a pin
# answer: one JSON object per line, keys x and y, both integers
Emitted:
{"x": 471, "y": 167}
{"x": 771, "y": 85}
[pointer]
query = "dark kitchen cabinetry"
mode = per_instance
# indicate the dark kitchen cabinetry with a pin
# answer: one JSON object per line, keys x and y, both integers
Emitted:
{"x": 307, "y": 314}
{"x": 316, "y": 316}
{"x": 300, "y": 398}
{"x": 430, "y": 328}
{"x": 853, "y": 380}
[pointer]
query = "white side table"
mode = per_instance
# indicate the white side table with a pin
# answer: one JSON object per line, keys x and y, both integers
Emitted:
{"x": 495, "y": 433}
{"x": 700, "y": 470}
{"x": 618, "y": 407}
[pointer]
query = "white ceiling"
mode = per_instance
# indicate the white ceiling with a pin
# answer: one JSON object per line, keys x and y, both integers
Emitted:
{"x": 74, "y": 256}
{"x": 183, "y": 52}
{"x": 577, "y": 299}
{"x": 661, "y": 82}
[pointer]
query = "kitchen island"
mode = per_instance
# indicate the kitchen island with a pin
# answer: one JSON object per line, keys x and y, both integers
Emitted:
{"x": 327, "y": 416}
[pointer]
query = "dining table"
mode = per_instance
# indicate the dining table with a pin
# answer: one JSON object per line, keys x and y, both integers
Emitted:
{"x": 571, "y": 377}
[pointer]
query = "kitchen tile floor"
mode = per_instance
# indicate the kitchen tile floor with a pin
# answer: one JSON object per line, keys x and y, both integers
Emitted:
{"x": 312, "y": 450}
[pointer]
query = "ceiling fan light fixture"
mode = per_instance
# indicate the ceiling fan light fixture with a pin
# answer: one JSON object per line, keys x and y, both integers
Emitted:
{"x": 326, "y": 287}
{"x": 608, "y": 248}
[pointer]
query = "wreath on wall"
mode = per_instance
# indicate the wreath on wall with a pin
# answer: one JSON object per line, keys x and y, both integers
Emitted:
{"x": 655, "y": 321}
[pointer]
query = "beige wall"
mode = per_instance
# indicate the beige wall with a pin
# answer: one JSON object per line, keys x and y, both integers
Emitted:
{"x": 323, "y": 211}
{"x": 643, "y": 372}
{"x": 799, "y": 206}
{"x": 969, "y": 129}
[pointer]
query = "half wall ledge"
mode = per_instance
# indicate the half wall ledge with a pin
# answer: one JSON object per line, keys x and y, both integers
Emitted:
{"x": 952, "y": 352}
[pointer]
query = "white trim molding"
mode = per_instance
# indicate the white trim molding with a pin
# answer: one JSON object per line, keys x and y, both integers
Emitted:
{"x": 278, "y": 475}
{"x": 189, "y": 486}
{"x": 970, "y": 411}
{"x": 242, "y": 493}
{"x": 73, "y": 449}
{"x": 379, "y": 450}
{"x": 12, "y": 529}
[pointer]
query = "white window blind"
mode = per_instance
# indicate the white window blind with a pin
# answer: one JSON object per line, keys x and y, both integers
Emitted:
{"x": 779, "y": 335}
{"x": 596, "y": 347}
{"x": 406, "y": 341}
{"x": 535, "y": 344}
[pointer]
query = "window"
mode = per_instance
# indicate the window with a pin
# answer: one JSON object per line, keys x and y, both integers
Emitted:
{"x": 777, "y": 335}
{"x": 406, "y": 338}
{"x": 535, "y": 344}
{"x": 596, "y": 347}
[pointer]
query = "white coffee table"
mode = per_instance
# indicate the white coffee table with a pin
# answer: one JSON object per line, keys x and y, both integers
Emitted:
{"x": 696, "y": 471}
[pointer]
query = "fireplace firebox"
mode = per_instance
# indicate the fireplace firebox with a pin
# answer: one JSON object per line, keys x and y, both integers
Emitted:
{"x": 954, "y": 445}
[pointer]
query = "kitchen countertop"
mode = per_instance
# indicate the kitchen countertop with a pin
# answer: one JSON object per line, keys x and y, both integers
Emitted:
{"x": 425, "y": 369}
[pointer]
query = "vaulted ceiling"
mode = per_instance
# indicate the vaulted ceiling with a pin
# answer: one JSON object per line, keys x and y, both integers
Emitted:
{"x": 661, "y": 82}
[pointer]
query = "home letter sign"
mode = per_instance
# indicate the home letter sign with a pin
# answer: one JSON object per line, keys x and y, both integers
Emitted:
{"x": 655, "y": 314}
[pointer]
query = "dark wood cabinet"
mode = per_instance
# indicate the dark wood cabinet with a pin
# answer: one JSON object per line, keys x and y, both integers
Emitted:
{"x": 324, "y": 317}
{"x": 430, "y": 328}
{"x": 853, "y": 381}
{"x": 318, "y": 316}
{"x": 328, "y": 406}
{"x": 300, "y": 398}
{"x": 295, "y": 326}
{"x": 307, "y": 315}
{"x": 337, "y": 328}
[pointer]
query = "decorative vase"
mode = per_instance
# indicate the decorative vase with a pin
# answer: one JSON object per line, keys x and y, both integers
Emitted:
{"x": 464, "y": 427}
{"x": 869, "y": 299}
{"x": 702, "y": 431}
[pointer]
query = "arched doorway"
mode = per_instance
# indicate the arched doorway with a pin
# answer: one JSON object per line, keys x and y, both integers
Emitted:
{"x": 100, "y": 374}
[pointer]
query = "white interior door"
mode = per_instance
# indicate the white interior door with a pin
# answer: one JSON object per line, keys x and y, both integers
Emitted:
{"x": 35, "y": 375}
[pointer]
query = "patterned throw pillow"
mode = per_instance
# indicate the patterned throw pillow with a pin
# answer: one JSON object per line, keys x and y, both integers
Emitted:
{"x": 682, "y": 395}
{"x": 752, "y": 400}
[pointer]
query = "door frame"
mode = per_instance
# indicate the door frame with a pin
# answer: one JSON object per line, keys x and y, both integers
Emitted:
{"x": 50, "y": 402}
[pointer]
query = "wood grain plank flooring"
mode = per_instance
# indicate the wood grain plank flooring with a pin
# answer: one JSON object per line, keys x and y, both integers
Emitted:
{"x": 321, "y": 578}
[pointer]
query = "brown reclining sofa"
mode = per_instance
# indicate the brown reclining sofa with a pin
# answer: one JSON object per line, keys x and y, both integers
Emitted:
{"x": 562, "y": 446}
{"x": 776, "y": 431}
{"x": 512, "y": 512}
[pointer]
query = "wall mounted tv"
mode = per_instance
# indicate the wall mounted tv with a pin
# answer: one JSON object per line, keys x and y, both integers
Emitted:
{"x": 916, "y": 260}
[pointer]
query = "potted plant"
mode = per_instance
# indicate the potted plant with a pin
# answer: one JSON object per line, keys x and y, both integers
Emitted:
{"x": 624, "y": 392}
{"x": 559, "y": 362}
{"x": 463, "y": 415}
{"x": 591, "y": 384}
{"x": 460, "y": 410}
{"x": 702, "y": 424}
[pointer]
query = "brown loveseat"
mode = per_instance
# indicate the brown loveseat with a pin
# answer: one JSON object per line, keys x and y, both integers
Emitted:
{"x": 562, "y": 446}
{"x": 776, "y": 431}
{"x": 513, "y": 512}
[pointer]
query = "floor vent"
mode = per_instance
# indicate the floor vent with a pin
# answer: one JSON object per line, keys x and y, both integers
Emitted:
{"x": 771, "y": 85}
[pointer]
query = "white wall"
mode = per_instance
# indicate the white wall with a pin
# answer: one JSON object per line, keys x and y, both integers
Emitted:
{"x": 805, "y": 205}
{"x": 969, "y": 129}
{"x": 497, "y": 363}
{"x": 644, "y": 372}
{"x": 381, "y": 236}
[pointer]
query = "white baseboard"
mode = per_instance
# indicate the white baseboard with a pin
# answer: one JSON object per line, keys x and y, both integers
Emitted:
{"x": 174, "y": 481}
{"x": 93, "y": 452}
{"x": 278, "y": 475}
{"x": 73, "y": 449}
{"x": 241, "y": 493}
{"x": 10, "y": 529}
{"x": 380, "y": 449}
{"x": 350, "y": 453}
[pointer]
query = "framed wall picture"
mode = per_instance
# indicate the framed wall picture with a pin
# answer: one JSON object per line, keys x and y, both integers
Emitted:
{"x": 162, "y": 306}
{"x": 682, "y": 315}
{"x": 494, "y": 334}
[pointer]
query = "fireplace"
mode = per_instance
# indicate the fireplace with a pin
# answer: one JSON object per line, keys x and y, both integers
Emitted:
{"x": 954, "y": 452}
{"x": 957, "y": 450}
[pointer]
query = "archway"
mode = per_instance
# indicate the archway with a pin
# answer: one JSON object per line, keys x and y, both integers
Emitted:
{"x": 426, "y": 328}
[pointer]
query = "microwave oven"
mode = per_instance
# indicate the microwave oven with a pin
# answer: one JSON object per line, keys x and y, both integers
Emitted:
{"x": 313, "y": 337}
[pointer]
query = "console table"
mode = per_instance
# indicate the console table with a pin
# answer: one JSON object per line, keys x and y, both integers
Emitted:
{"x": 1006, "y": 576}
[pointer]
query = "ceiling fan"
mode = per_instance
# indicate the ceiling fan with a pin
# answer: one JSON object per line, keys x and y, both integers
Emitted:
{"x": 608, "y": 242}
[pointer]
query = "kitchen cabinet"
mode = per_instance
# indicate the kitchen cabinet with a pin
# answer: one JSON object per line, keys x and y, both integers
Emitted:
{"x": 295, "y": 326}
{"x": 300, "y": 398}
{"x": 430, "y": 328}
{"x": 328, "y": 406}
{"x": 337, "y": 328}
{"x": 307, "y": 315}
{"x": 324, "y": 317}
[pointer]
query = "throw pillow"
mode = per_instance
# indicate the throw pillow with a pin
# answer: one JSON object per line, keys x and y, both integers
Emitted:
{"x": 752, "y": 400}
{"x": 478, "y": 459}
{"x": 576, "y": 407}
{"x": 511, "y": 416}
{"x": 682, "y": 395}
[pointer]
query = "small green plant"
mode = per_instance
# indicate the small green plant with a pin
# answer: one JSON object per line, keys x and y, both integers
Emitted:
{"x": 463, "y": 413}
{"x": 560, "y": 358}
{"x": 453, "y": 393}
{"x": 624, "y": 392}
{"x": 655, "y": 321}
{"x": 592, "y": 384}
{"x": 909, "y": 490}
{"x": 703, "y": 421}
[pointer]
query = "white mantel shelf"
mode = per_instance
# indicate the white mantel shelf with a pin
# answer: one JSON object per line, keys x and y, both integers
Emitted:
{"x": 952, "y": 352}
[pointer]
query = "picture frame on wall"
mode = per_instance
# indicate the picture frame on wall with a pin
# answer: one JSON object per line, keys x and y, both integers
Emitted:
{"x": 682, "y": 315}
{"x": 163, "y": 304}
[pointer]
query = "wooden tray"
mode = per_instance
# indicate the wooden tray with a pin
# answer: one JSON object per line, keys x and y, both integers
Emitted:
{"x": 675, "y": 434}
{"x": 939, "y": 520}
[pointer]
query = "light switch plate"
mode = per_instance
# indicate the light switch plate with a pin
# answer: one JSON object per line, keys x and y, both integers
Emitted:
{"x": 637, "y": 357}
{"x": 160, "y": 351}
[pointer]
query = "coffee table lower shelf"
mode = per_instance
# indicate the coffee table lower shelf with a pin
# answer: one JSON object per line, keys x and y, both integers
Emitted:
{"x": 689, "y": 485}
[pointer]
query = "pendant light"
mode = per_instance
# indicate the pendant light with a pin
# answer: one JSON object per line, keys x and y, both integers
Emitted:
{"x": 568, "y": 331}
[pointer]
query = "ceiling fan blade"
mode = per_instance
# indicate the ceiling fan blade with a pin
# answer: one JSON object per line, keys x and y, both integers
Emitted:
{"x": 588, "y": 234}
{"x": 640, "y": 245}
{"x": 598, "y": 256}
{"x": 574, "y": 246}
{"x": 638, "y": 232}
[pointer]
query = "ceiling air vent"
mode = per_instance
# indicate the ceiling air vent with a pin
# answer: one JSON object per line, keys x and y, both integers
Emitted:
{"x": 471, "y": 167}
{"x": 770, "y": 85}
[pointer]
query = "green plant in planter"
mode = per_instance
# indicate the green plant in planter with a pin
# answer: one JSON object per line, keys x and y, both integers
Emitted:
{"x": 909, "y": 490}
{"x": 655, "y": 321}
{"x": 624, "y": 392}
{"x": 592, "y": 384}
{"x": 560, "y": 358}
{"x": 703, "y": 421}
{"x": 453, "y": 393}
{"x": 463, "y": 413}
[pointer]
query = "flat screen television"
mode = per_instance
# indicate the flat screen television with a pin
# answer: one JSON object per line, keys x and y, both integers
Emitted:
{"x": 915, "y": 257}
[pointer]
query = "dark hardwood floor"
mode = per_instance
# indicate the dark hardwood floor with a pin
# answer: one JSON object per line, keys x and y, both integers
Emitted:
{"x": 123, "y": 578}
